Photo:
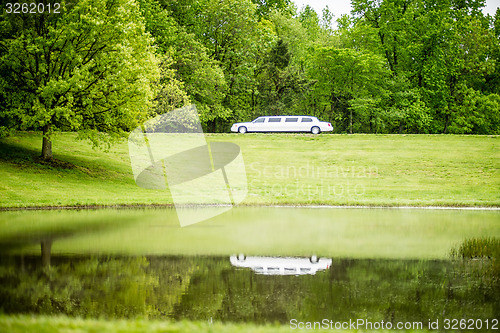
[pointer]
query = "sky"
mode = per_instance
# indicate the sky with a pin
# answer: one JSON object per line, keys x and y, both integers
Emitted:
{"x": 339, "y": 7}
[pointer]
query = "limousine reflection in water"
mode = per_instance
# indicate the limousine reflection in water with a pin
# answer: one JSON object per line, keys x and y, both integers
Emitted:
{"x": 281, "y": 266}
{"x": 284, "y": 124}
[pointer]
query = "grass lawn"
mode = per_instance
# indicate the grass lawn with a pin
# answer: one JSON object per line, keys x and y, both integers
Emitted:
{"x": 302, "y": 169}
{"x": 46, "y": 324}
{"x": 42, "y": 324}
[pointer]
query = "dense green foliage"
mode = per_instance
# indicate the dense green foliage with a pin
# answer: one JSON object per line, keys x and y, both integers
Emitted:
{"x": 90, "y": 68}
{"x": 485, "y": 247}
{"x": 481, "y": 257}
{"x": 392, "y": 66}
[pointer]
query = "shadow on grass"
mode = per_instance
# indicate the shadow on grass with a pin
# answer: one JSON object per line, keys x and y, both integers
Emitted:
{"x": 23, "y": 152}
{"x": 13, "y": 152}
{"x": 29, "y": 157}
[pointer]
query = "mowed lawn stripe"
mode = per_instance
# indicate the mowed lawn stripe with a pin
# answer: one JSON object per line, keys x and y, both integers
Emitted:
{"x": 289, "y": 169}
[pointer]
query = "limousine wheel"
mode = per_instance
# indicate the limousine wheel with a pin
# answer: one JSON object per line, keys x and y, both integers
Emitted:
{"x": 315, "y": 130}
{"x": 242, "y": 129}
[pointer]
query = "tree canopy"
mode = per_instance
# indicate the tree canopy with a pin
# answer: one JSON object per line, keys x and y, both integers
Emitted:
{"x": 90, "y": 69}
{"x": 391, "y": 66}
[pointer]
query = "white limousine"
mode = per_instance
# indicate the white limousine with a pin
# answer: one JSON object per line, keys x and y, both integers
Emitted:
{"x": 284, "y": 124}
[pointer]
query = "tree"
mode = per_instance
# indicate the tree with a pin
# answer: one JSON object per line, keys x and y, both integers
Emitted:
{"x": 216, "y": 46}
{"x": 443, "y": 49}
{"x": 199, "y": 77}
{"x": 493, "y": 79}
{"x": 229, "y": 31}
{"x": 403, "y": 110}
{"x": 88, "y": 69}
{"x": 348, "y": 83}
{"x": 479, "y": 114}
{"x": 266, "y": 6}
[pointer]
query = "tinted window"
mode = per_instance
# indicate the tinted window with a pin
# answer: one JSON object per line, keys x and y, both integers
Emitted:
{"x": 307, "y": 120}
{"x": 291, "y": 120}
{"x": 259, "y": 120}
{"x": 274, "y": 120}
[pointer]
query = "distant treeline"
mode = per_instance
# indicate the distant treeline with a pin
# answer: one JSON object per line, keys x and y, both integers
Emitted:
{"x": 392, "y": 66}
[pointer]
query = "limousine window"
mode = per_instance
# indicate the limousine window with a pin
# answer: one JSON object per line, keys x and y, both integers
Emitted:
{"x": 259, "y": 120}
{"x": 274, "y": 120}
{"x": 306, "y": 120}
{"x": 291, "y": 120}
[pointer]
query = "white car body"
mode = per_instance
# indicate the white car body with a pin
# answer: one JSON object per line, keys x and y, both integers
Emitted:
{"x": 283, "y": 124}
{"x": 282, "y": 266}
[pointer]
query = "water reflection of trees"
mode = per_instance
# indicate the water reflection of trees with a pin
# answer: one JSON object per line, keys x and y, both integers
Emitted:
{"x": 83, "y": 287}
{"x": 207, "y": 287}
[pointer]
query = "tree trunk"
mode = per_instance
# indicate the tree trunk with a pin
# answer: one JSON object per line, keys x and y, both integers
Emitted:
{"x": 350, "y": 122}
{"x": 46, "y": 145}
{"x": 447, "y": 118}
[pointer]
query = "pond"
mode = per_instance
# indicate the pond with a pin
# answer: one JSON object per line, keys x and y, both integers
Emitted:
{"x": 260, "y": 264}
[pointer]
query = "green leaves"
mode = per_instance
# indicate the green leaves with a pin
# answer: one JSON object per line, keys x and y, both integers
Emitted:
{"x": 89, "y": 69}
{"x": 347, "y": 81}
{"x": 479, "y": 114}
{"x": 441, "y": 47}
{"x": 393, "y": 66}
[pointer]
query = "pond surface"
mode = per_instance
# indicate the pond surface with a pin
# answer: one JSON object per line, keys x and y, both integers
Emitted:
{"x": 278, "y": 231}
{"x": 259, "y": 265}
